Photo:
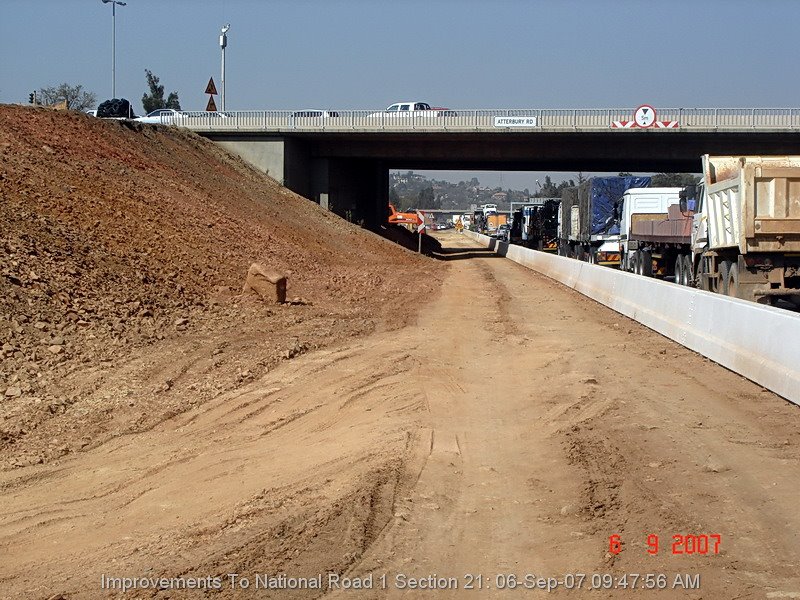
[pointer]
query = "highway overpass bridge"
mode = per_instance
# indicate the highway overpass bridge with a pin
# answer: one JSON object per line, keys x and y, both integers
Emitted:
{"x": 341, "y": 158}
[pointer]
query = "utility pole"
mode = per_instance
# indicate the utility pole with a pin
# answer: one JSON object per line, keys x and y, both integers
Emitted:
{"x": 114, "y": 43}
{"x": 223, "y": 42}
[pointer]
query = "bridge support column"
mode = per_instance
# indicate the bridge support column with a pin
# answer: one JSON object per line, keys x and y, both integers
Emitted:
{"x": 357, "y": 190}
{"x": 354, "y": 188}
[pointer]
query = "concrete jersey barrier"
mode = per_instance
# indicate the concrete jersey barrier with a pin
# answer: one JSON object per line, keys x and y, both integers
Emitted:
{"x": 759, "y": 342}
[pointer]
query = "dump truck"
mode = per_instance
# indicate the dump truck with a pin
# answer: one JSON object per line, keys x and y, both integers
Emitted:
{"x": 745, "y": 239}
{"x": 590, "y": 217}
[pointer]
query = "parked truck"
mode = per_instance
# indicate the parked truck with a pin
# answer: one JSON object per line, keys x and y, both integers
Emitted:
{"x": 590, "y": 217}
{"x": 478, "y": 221}
{"x": 515, "y": 231}
{"x": 746, "y": 231}
{"x": 539, "y": 226}
{"x": 641, "y": 209}
{"x": 736, "y": 233}
{"x": 493, "y": 222}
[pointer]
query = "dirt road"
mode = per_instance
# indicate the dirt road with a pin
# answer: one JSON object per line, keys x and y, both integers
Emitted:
{"x": 509, "y": 432}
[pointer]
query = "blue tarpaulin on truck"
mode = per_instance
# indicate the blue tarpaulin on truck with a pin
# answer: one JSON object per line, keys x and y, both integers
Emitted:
{"x": 605, "y": 198}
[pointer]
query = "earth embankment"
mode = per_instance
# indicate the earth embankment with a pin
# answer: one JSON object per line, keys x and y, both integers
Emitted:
{"x": 124, "y": 242}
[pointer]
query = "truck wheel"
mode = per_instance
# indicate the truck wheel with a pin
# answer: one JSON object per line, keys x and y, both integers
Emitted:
{"x": 703, "y": 282}
{"x": 688, "y": 269}
{"x": 722, "y": 285}
{"x": 646, "y": 263}
{"x": 680, "y": 272}
{"x": 592, "y": 256}
{"x": 635, "y": 259}
{"x": 733, "y": 281}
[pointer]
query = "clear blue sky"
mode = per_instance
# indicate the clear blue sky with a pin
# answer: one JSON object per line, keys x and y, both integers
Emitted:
{"x": 289, "y": 54}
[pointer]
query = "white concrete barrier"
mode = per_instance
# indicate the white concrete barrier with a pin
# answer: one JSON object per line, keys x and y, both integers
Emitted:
{"x": 759, "y": 342}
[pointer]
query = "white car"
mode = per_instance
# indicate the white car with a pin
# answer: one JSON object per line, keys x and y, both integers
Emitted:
{"x": 162, "y": 116}
{"x": 413, "y": 109}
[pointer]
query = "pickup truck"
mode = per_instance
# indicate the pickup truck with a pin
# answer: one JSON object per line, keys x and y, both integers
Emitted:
{"x": 413, "y": 109}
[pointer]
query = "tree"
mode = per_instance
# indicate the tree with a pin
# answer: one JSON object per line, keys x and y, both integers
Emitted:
{"x": 548, "y": 189}
{"x": 563, "y": 185}
{"x": 427, "y": 199}
{"x": 75, "y": 96}
{"x": 404, "y": 204}
{"x": 674, "y": 180}
{"x": 155, "y": 99}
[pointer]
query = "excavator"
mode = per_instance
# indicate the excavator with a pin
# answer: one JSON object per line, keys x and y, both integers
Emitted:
{"x": 403, "y": 218}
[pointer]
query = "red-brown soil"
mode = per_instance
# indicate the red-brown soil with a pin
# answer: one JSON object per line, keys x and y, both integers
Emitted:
{"x": 120, "y": 242}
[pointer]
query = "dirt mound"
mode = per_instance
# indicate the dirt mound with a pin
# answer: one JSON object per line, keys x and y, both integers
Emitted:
{"x": 122, "y": 241}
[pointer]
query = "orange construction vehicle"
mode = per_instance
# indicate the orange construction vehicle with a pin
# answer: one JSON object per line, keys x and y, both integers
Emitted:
{"x": 403, "y": 218}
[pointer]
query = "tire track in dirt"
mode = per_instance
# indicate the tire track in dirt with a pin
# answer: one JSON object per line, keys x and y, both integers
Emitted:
{"x": 512, "y": 429}
{"x": 333, "y": 434}
{"x": 581, "y": 425}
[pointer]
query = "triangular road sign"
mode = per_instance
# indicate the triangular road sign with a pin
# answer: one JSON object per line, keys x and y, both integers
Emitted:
{"x": 211, "y": 106}
{"x": 211, "y": 88}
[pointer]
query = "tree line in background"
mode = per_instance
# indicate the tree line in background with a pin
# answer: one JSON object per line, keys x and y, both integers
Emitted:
{"x": 410, "y": 190}
{"x": 74, "y": 97}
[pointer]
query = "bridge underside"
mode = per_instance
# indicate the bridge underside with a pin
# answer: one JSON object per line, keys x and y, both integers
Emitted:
{"x": 348, "y": 172}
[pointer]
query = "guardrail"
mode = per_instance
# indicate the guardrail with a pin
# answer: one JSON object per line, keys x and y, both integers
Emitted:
{"x": 727, "y": 119}
{"x": 759, "y": 342}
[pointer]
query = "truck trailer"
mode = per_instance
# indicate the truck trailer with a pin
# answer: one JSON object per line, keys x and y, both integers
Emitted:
{"x": 590, "y": 217}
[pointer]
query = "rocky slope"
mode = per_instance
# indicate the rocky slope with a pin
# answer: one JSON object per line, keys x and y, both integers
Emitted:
{"x": 118, "y": 238}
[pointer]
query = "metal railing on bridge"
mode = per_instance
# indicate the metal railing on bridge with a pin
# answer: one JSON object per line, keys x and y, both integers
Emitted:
{"x": 489, "y": 120}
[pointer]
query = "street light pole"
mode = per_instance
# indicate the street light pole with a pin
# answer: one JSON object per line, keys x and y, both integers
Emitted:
{"x": 223, "y": 42}
{"x": 114, "y": 43}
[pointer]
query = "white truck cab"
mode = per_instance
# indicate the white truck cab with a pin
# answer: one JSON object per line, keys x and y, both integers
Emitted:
{"x": 642, "y": 203}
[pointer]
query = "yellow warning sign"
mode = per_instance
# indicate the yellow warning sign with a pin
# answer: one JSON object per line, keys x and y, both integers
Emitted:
{"x": 211, "y": 106}
{"x": 211, "y": 88}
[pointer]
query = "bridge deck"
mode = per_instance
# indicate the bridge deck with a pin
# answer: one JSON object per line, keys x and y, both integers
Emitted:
{"x": 497, "y": 120}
